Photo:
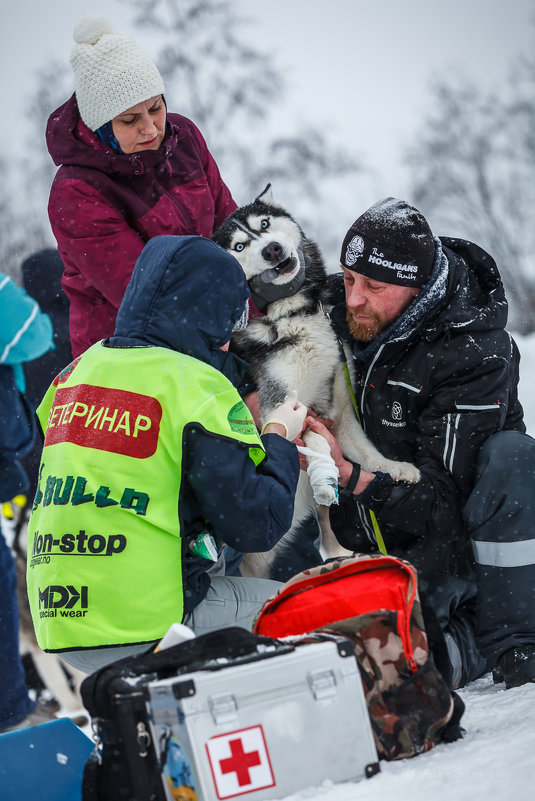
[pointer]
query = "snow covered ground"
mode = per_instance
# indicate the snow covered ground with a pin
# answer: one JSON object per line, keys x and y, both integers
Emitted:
{"x": 494, "y": 760}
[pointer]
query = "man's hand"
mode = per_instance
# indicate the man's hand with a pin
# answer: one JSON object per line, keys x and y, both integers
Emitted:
{"x": 326, "y": 421}
{"x": 345, "y": 468}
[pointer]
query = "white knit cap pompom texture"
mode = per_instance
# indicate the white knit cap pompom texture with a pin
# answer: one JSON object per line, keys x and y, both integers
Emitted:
{"x": 90, "y": 29}
{"x": 111, "y": 72}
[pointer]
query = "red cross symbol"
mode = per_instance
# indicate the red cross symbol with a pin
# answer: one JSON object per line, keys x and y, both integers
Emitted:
{"x": 239, "y": 762}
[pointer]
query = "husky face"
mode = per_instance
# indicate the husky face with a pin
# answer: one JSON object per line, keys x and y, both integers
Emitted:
{"x": 264, "y": 239}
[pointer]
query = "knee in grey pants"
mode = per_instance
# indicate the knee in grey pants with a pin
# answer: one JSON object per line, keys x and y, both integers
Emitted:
{"x": 230, "y": 601}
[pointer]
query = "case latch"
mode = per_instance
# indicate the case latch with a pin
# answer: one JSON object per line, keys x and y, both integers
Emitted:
{"x": 224, "y": 708}
{"x": 323, "y": 684}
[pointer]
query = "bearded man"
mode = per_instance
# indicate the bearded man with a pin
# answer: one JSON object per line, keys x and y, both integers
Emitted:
{"x": 436, "y": 377}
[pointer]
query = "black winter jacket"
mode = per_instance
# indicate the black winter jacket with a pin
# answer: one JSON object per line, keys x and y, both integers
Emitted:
{"x": 431, "y": 393}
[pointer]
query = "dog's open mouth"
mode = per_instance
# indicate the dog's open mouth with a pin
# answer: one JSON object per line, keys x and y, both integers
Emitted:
{"x": 287, "y": 266}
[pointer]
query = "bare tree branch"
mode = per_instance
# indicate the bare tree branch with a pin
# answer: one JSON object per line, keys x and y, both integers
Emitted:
{"x": 473, "y": 169}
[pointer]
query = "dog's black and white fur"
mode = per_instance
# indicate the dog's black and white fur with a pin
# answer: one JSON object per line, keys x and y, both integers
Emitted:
{"x": 293, "y": 347}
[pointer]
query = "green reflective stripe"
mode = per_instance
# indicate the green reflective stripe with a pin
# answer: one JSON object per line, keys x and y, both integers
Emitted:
{"x": 351, "y": 393}
{"x": 376, "y": 530}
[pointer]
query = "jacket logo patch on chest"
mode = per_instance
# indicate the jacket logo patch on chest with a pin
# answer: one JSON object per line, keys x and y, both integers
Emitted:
{"x": 397, "y": 411}
{"x": 397, "y": 416}
{"x": 105, "y": 419}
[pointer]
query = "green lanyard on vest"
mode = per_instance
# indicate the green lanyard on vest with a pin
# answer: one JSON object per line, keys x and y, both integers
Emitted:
{"x": 376, "y": 530}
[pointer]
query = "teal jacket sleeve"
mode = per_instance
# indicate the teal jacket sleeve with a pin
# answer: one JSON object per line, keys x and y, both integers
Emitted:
{"x": 25, "y": 331}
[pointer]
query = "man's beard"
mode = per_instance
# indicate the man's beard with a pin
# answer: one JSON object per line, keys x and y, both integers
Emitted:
{"x": 363, "y": 332}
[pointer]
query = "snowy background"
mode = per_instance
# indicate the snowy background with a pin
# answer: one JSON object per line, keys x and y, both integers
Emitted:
{"x": 357, "y": 73}
{"x": 359, "y": 68}
{"x": 360, "y": 71}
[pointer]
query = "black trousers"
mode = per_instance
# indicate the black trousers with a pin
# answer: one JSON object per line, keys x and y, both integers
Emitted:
{"x": 486, "y": 604}
{"x": 500, "y": 515}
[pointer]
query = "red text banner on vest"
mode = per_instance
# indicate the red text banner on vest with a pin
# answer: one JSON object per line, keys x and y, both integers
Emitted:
{"x": 105, "y": 419}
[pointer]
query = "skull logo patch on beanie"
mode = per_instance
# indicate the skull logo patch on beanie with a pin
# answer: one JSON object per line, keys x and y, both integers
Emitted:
{"x": 391, "y": 242}
{"x": 354, "y": 250}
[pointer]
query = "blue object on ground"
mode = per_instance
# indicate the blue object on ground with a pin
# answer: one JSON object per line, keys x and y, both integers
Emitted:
{"x": 44, "y": 762}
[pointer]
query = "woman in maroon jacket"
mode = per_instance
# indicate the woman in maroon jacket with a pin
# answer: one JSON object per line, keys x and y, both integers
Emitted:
{"x": 128, "y": 171}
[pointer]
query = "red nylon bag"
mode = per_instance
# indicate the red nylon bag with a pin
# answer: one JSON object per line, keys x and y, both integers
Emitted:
{"x": 373, "y": 600}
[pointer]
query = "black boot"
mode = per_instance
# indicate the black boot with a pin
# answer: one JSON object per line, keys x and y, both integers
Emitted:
{"x": 516, "y": 666}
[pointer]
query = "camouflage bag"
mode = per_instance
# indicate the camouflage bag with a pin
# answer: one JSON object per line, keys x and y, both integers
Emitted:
{"x": 374, "y": 602}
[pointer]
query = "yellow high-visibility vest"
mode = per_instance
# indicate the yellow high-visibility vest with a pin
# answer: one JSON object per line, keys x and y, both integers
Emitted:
{"x": 104, "y": 544}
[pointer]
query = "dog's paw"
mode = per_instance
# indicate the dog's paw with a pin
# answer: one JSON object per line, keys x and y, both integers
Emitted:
{"x": 402, "y": 471}
{"x": 325, "y": 494}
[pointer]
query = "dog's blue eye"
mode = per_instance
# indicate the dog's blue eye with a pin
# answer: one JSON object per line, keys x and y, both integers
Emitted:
{"x": 239, "y": 247}
{"x": 264, "y": 224}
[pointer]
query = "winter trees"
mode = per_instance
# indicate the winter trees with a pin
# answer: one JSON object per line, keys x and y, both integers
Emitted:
{"x": 474, "y": 176}
{"x": 235, "y": 94}
{"x": 24, "y": 190}
{"x": 230, "y": 90}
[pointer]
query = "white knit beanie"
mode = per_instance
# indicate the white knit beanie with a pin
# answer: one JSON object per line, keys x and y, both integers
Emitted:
{"x": 111, "y": 72}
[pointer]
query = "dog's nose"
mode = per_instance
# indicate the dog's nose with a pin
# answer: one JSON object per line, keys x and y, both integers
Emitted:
{"x": 273, "y": 253}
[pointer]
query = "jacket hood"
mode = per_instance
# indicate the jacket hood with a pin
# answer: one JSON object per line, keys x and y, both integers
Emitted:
{"x": 186, "y": 293}
{"x": 475, "y": 297}
{"x": 71, "y": 143}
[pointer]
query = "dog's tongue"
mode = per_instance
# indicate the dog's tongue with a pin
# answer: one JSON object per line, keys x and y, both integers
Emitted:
{"x": 264, "y": 292}
{"x": 287, "y": 266}
{"x": 253, "y": 311}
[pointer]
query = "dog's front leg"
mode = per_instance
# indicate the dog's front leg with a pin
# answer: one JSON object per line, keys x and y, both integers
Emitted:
{"x": 322, "y": 471}
{"x": 259, "y": 565}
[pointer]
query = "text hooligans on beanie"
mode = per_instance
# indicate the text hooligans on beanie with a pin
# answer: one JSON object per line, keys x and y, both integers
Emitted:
{"x": 111, "y": 72}
{"x": 391, "y": 242}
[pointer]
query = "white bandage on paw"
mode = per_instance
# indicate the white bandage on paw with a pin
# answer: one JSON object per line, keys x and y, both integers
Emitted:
{"x": 323, "y": 475}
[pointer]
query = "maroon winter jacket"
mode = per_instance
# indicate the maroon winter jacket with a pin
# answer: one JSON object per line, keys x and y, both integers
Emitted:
{"x": 105, "y": 206}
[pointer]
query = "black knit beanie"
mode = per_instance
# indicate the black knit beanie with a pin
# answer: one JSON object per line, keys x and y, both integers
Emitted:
{"x": 391, "y": 242}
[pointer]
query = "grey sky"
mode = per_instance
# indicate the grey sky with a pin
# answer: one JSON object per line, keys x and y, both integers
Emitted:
{"x": 361, "y": 67}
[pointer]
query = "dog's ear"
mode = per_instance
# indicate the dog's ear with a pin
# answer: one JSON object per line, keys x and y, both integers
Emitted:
{"x": 267, "y": 197}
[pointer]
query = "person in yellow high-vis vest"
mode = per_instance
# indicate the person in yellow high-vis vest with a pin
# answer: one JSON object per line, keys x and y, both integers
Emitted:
{"x": 151, "y": 461}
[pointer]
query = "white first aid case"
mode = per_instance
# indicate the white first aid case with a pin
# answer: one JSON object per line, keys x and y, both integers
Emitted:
{"x": 262, "y": 727}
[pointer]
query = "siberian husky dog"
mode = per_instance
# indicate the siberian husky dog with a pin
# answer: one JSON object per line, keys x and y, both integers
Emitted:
{"x": 293, "y": 347}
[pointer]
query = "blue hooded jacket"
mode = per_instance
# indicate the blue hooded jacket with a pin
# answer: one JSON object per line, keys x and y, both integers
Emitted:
{"x": 186, "y": 293}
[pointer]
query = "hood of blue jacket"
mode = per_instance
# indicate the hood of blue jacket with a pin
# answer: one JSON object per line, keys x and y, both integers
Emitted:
{"x": 186, "y": 293}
